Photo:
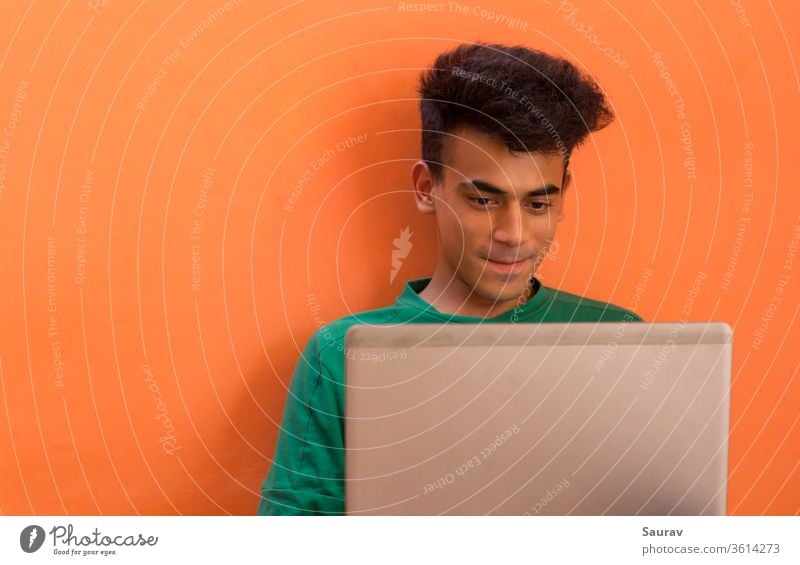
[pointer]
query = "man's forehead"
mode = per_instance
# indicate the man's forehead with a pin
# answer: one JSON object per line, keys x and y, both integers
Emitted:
{"x": 513, "y": 177}
{"x": 470, "y": 153}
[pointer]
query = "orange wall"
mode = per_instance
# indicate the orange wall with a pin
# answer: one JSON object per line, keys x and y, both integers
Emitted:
{"x": 127, "y": 126}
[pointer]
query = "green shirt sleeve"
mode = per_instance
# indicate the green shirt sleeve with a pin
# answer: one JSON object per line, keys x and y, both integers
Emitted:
{"x": 307, "y": 472}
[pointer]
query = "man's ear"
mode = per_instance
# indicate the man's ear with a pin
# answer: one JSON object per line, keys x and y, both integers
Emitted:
{"x": 564, "y": 186}
{"x": 423, "y": 186}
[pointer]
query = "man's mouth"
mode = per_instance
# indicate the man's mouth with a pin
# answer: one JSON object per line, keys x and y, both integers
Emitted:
{"x": 507, "y": 266}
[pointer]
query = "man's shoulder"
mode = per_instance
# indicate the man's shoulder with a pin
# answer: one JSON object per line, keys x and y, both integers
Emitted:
{"x": 333, "y": 333}
{"x": 576, "y": 308}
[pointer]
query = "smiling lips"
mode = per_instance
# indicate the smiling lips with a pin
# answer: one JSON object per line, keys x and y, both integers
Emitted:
{"x": 506, "y": 267}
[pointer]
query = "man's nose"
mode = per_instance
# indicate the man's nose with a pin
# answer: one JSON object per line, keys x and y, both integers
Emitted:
{"x": 507, "y": 226}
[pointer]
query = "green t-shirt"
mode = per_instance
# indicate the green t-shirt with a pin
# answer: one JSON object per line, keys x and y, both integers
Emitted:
{"x": 307, "y": 473}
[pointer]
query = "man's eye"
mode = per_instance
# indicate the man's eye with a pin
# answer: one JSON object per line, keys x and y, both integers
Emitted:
{"x": 540, "y": 205}
{"x": 481, "y": 201}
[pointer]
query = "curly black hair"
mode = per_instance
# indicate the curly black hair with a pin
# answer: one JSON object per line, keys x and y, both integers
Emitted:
{"x": 530, "y": 100}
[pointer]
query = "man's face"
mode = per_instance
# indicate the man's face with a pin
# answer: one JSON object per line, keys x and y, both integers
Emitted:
{"x": 496, "y": 214}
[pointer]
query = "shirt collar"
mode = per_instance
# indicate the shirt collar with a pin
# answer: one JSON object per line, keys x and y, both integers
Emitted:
{"x": 410, "y": 298}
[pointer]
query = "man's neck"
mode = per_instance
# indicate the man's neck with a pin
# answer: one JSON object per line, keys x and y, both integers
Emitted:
{"x": 449, "y": 295}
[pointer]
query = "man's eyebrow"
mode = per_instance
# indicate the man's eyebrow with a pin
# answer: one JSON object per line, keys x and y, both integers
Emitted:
{"x": 489, "y": 188}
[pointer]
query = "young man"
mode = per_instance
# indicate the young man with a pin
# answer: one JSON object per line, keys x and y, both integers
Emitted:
{"x": 498, "y": 126}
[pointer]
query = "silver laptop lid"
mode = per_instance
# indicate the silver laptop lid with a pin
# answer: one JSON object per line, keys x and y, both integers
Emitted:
{"x": 584, "y": 418}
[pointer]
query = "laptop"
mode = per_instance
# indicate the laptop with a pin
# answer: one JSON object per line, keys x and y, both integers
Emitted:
{"x": 537, "y": 419}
